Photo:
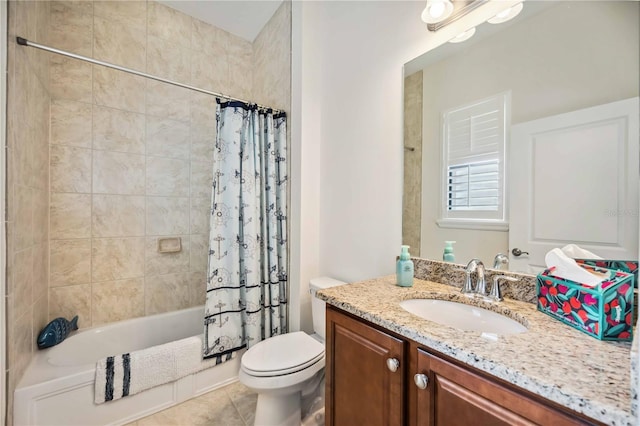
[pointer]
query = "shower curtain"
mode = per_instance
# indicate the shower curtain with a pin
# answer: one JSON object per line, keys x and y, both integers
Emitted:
{"x": 247, "y": 272}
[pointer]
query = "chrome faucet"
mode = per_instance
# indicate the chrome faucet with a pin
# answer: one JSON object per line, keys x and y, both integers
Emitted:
{"x": 496, "y": 293}
{"x": 501, "y": 262}
{"x": 475, "y": 265}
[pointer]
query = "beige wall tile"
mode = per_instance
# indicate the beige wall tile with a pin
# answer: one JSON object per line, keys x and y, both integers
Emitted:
{"x": 70, "y": 301}
{"x": 167, "y": 176}
{"x": 165, "y": 100}
{"x": 208, "y": 39}
{"x": 203, "y": 141}
{"x": 118, "y": 173}
{"x": 167, "y": 138}
{"x": 197, "y": 288}
{"x": 21, "y": 284}
{"x": 167, "y": 216}
{"x": 117, "y": 89}
{"x": 19, "y": 341}
{"x": 23, "y": 218}
{"x": 70, "y": 169}
{"x": 119, "y": 44}
{"x": 201, "y": 178}
{"x": 70, "y": 262}
{"x": 165, "y": 293}
{"x": 117, "y": 258}
{"x": 40, "y": 216}
{"x": 131, "y": 13}
{"x": 117, "y": 300}
{"x": 169, "y": 60}
{"x": 200, "y": 214}
{"x": 210, "y": 72}
{"x": 169, "y": 24}
{"x": 117, "y": 130}
{"x": 157, "y": 263}
{"x": 240, "y": 57}
{"x": 118, "y": 216}
{"x": 40, "y": 271}
{"x": 199, "y": 253}
{"x": 70, "y": 216}
{"x": 71, "y": 27}
{"x": 71, "y": 123}
{"x": 70, "y": 79}
{"x": 203, "y": 110}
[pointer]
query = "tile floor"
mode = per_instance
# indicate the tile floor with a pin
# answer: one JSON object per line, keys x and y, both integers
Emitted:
{"x": 232, "y": 405}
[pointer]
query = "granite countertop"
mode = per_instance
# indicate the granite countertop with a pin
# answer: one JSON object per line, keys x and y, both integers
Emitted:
{"x": 551, "y": 359}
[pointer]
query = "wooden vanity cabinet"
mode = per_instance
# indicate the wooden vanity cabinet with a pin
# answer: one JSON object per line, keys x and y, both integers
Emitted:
{"x": 362, "y": 390}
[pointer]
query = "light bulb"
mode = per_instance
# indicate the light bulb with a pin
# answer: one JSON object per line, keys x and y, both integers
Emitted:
{"x": 436, "y": 11}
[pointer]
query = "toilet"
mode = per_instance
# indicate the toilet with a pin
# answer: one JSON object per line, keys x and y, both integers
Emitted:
{"x": 287, "y": 371}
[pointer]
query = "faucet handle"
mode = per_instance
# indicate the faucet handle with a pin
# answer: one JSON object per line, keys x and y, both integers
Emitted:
{"x": 496, "y": 293}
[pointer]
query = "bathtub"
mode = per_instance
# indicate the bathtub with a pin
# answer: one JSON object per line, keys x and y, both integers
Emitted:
{"x": 58, "y": 386}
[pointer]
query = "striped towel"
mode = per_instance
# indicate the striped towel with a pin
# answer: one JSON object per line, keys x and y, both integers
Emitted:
{"x": 127, "y": 374}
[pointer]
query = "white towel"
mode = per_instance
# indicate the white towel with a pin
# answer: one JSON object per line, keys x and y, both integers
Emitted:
{"x": 127, "y": 374}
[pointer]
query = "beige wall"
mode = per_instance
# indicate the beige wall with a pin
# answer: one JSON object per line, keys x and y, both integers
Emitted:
{"x": 27, "y": 188}
{"x": 101, "y": 163}
{"x": 553, "y": 62}
{"x": 131, "y": 157}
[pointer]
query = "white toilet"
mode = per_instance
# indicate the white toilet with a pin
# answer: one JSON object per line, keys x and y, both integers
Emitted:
{"x": 287, "y": 371}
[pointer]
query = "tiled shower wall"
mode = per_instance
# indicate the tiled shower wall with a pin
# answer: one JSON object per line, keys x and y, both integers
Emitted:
{"x": 412, "y": 193}
{"x": 131, "y": 157}
{"x": 27, "y": 188}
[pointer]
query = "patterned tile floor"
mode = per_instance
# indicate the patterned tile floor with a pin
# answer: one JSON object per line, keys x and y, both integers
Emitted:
{"x": 232, "y": 405}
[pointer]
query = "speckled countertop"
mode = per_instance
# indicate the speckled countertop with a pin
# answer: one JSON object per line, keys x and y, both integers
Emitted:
{"x": 551, "y": 359}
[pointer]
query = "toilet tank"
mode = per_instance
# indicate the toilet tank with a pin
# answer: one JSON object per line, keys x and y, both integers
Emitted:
{"x": 318, "y": 306}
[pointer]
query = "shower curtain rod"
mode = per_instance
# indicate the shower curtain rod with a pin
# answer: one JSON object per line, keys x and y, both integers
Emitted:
{"x": 24, "y": 42}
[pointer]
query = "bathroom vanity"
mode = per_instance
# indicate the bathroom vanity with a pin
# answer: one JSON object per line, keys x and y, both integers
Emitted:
{"x": 387, "y": 366}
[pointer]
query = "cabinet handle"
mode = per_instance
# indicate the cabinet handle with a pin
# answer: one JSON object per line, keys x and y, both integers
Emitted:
{"x": 393, "y": 364}
{"x": 421, "y": 381}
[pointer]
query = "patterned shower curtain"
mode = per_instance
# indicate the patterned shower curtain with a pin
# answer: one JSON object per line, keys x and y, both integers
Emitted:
{"x": 247, "y": 273}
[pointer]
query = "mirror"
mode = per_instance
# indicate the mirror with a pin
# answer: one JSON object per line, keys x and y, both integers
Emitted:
{"x": 554, "y": 58}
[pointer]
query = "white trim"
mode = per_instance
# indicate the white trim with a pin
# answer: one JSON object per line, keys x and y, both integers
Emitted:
{"x": 483, "y": 225}
{"x": 3, "y": 249}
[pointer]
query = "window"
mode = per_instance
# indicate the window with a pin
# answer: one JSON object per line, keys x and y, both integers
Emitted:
{"x": 474, "y": 164}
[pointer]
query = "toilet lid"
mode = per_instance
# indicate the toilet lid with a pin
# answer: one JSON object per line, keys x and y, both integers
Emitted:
{"x": 283, "y": 354}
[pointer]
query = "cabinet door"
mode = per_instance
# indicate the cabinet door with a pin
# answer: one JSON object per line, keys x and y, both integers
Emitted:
{"x": 456, "y": 396}
{"x": 361, "y": 389}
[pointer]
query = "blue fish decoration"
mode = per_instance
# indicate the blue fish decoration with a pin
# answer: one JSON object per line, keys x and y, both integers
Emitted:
{"x": 56, "y": 331}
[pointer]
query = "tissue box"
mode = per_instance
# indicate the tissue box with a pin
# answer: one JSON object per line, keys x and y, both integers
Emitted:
{"x": 630, "y": 266}
{"x": 604, "y": 311}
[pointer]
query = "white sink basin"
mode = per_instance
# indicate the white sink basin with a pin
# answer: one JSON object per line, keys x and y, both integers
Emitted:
{"x": 463, "y": 317}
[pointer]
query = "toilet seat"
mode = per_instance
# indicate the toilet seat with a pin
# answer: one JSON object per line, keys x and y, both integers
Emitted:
{"x": 281, "y": 355}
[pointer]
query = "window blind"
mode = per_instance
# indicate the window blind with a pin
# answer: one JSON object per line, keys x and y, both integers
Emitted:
{"x": 474, "y": 141}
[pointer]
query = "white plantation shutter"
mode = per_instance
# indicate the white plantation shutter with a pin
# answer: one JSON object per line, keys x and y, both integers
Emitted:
{"x": 474, "y": 140}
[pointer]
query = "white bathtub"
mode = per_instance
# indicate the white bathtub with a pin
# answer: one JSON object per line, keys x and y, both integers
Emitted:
{"x": 58, "y": 386}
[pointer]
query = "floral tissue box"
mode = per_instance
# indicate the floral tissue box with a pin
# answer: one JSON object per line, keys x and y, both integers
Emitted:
{"x": 604, "y": 311}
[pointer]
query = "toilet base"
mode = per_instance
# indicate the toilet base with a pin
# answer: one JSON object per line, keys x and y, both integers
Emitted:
{"x": 276, "y": 410}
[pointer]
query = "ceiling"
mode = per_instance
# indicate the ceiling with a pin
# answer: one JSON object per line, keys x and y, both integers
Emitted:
{"x": 244, "y": 18}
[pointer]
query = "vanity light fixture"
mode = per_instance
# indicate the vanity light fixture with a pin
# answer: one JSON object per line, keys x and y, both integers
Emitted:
{"x": 506, "y": 14}
{"x": 436, "y": 11}
{"x": 463, "y": 36}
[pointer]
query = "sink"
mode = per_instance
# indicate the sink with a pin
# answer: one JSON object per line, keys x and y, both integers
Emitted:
{"x": 462, "y": 316}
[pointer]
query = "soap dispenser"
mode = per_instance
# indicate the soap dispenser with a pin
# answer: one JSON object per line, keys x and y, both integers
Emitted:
{"x": 447, "y": 254}
{"x": 404, "y": 268}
